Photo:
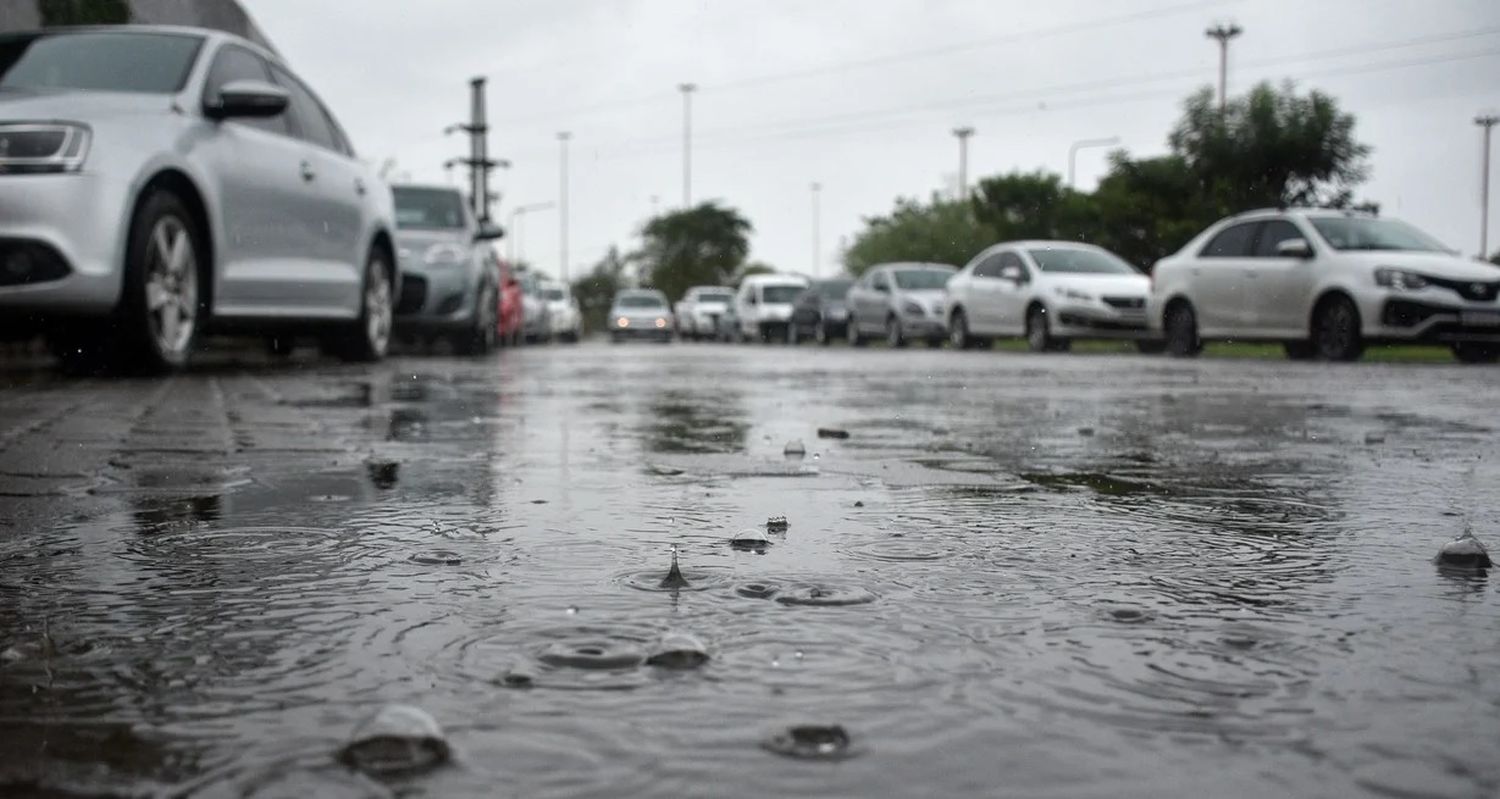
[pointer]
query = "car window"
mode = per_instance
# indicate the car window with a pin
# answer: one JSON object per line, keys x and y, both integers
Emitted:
{"x": 311, "y": 123}
{"x": 833, "y": 289}
{"x": 1231, "y": 242}
{"x": 1009, "y": 259}
{"x": 640, "y": 301}
{"x": 236, "y": 63}
{"x": 879, "y": 282}
{"x": 1078, "y": 261}
{"x": 429, "y": 209}
{"x": 1361, "y": 233}
{"x": 1272, "y": 234}
{"x": 989, "y": 267}
{"x": 922, "y": 279}
{"x": 152, "y": 63}
{"x": 776, "y": 295}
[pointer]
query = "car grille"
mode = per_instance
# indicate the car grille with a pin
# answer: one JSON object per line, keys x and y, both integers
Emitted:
{"x": 1473, "y": 290}
{"x": 1126, "y": 303}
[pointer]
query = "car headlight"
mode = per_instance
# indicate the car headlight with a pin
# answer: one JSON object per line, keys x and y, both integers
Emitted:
{"x": 622, "y": 322}
{"x": 913, "y": 308}
{"x": 660, "y": 323}
{"x": 444, "y": 255}
{"x": 1399, "y": 279}
{"x": 1073, "y": 294}
{"x": 30, "y": 148}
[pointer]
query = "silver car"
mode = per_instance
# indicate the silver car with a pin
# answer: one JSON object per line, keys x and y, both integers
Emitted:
{"x": 449, "y": 284}
{"x": 536, "y": 316}
{"x": 901, "y": 301}
{"x": 159, "y": 182}
{"x": 640, "y": 313}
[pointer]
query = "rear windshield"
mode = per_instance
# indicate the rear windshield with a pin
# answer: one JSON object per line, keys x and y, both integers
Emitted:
{"x": 151, "y": 63}
{"x": 1069, "y": 261}
{"x": 919, "y": 279}
{"x": 640, "y": 301}
{"x": 776, "y": 295}
{"x": 428, "y": 209}
{"x": 714, "y": 297}
{"x": 554, "y": 294}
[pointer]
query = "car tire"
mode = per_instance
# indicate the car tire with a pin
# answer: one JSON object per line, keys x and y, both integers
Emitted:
{"x": 1470, "y": 352}
{"x": 793, "y": 334}
{"x": 163, "y": 301}
{"x": 895, "y": 337}
{"x": 1039, "y": 331}
{"x": 479, "y": 339}
{"x": 852, "y": 334}
{"x": 370, "y": 336}
{"x": 1151, "y": 347}
{"x": 934, "y": 342}
{"x": 1181, "y": 327}
{"x": 958, "y": 332}
{"x": 1335, "y": 333}
{"x": 1299, "y": 350}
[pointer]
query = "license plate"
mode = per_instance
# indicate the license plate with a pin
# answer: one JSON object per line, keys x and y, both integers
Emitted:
{"x": 1480, "y": 318}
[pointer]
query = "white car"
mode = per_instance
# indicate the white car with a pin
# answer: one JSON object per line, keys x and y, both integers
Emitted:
{"x": 700, "y": 309}
{"x": 1325, "y": 283}
{"x": 763, "y": 305}
{"x": 563, "y": 314}
{"x": 1051, "y": 292}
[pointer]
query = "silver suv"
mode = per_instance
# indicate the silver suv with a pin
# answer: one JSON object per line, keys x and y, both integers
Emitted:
{"x": 158, "y": 182}
{"x": 449, "y": 282}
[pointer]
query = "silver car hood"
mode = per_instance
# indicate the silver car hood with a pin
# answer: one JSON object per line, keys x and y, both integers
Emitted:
{"x": 77, "y": 106}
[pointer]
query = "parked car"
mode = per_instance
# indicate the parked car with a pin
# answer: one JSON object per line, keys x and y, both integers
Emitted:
{"x": 1051, "y": 292}
{"x": 512, "y": 304}
{"x": 450, "y": 282}
{"x": 763, "y": 305}
{"x": 563, "y": 313}
{"x": 902, "y": 301}
{"x": 698, "y": 312}
{"x": 640, "y": 313}
{"x": 536, "y": 322}
{"x": 158, "y": 183}
{"x": 1325, "y": 283}
{"x": 820, "y": 312}
{"x": 728, "y": 326}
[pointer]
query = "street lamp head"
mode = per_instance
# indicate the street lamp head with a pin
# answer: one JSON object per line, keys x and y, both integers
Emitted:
{"x": 1224, "y": 32}
{"x": 964, "y": 132}
{"x": 1486, "y": 120}
{"x": 687, "y": 88}
{"x": 564, "y": 135}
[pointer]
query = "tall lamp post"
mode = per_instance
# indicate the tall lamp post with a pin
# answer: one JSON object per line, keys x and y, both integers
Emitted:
{"x": 1486, "y": 121}
{"x": 687, "y": 90}
{"x": 562, "y": 196}
{"x": 963, "y": 135}
{"x": 1223, "y": 34}
{"x": 1081, "y": 144}
{"x": 817, "y": 233}
{"x": 517, "y": 238}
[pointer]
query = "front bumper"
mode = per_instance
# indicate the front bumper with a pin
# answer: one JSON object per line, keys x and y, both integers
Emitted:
{"x": 922, "y": 326}
{"x": 1401, "y": 318}
{"x": 81, "y": 219}
{"x": 1098, "y": 320}
{"x": 435, "y": 299}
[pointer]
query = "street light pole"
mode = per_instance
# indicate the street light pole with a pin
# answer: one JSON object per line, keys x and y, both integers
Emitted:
{"x": 1223, "y": 33}
{"x": 516, "y": 241}
{"x": 687, "y": 90}
{"x": 1487, "y": 122}
{"x": 963, "y": 135}
{"x": 817, "y": 234}
{"x": 562, "y": 196}
{"x": 1081, "y": 144}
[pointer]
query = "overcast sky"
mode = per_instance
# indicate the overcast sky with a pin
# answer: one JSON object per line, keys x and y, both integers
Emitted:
{"x": 862, "y": 95}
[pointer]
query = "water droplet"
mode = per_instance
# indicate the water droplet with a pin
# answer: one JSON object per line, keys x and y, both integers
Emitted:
{"x": 817, "y": 456}
{"x": 798, "y": 654}
{"x": 775, "y": 663}
{"x": 572, "y": 611}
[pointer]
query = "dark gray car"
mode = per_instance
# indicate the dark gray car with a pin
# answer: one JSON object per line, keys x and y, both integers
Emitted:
{"x": 449, "y": 285}
{"x": 902, "y": 302}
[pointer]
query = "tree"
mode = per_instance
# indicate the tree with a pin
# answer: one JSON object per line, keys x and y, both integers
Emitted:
{"x": 83, "y": 12}
{"x": 1032, "y": 205}
{"x": 1272, "y": 147}
{"x": 595, "y": 291}
{"x": 942, "y": 231}
{"x": 753, "y": 268}
{"x": 705, "y": 245}
{"x": 1147, "y": 209}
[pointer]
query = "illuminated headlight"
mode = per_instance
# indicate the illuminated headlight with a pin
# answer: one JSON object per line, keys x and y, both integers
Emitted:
{"x": 1073, "y": 294}
{"x": 622, "y": 322}
{"x": 661, "y": 323}
{"x": 444, "y": 255}
{"x": 1399, "y": 279}
{"x": 913, "y": 308}
{"x": 43, "y": 147}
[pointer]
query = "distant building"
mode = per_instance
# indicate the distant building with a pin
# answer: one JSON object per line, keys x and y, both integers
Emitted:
{"x": 225, "y": 15}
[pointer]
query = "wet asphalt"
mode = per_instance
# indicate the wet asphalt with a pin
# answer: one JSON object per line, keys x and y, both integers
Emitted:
{"x": 1061, "y": 575}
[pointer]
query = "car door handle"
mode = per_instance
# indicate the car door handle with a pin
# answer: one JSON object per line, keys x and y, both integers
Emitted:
{"x": 307, "y": 172}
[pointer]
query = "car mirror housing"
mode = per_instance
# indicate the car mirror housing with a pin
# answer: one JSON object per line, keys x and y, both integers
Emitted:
{"x": 489, "y": 231}
{"x": 1013, "y": 274}
{"x": 1294, "y": 248}
{"x": 248, "y": 99}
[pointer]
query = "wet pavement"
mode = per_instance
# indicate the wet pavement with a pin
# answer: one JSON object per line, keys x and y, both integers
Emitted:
{"x": 1016, "y": 575}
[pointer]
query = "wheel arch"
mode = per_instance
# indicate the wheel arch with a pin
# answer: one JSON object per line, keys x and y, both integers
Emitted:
{"x": 1326, "y": 296}
{"x": 182, "y": 186}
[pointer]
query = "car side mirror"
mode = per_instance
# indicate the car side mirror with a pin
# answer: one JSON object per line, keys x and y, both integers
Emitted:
{"x": 1013, "y": 274}
{"x": 248, "y": 99}
{"x": 882, "y": 288}
{"x": 1294, "y": 248}
{"x": 489, "y": 231}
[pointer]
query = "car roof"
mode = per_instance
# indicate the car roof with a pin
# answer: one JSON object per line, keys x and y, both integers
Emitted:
{"x": 933, "y": 265}
{"x": 1302, "y": 211}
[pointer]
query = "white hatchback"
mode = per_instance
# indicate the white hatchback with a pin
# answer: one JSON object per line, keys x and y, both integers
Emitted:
{"x": 1051, "y": 292}
{"x": 1325, "y": 283}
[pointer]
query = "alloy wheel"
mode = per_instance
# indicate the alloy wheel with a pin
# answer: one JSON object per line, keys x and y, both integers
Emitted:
{"x": 171, "y": 287}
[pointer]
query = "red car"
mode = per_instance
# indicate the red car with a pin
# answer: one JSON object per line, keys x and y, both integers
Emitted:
{"x": 511, "y": 315}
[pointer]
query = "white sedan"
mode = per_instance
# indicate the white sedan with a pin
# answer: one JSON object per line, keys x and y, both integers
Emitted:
{"x": 1051, "y": 292}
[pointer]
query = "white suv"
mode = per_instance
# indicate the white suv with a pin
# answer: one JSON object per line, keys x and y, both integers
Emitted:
{"x": 1325, "y": 283}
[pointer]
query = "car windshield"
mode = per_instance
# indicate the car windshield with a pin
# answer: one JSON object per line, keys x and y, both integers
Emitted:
{"x": 714, "y": 297}
{"x": 1078, "y": 261}
{"x": 428, "y": 209}
{"x": 777, "y": 295}
{"x": 922, "y": 279}
{"x": 833, "y": 289}
{"x": 639, "y": 301}
{"x": 554, "y": 295}
{"x": 1362, "y": 233}
{"x": 153, "y": 63}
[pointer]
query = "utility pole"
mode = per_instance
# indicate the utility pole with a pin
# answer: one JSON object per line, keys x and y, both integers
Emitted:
{"x": 817, "y": 235}
{"x": 562, "y": 196}
{"x": 1081, "y": 144}
{"x": 963, "y": 135}
{"x": 479, "y": 162}
{"x": 1223, "y": 33}
{"x": 687, "y": 90}
{"x": 1486, "y": 121}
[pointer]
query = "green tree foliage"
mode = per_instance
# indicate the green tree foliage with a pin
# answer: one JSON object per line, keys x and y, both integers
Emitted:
{"x": 595, "y": 291}
{"x": 942, "y": 231}
{"x": 1032, "y": 205}
{"x": 1148, "y": 208}
{"x": 752, "y": 268}
{"x": 704, "y": 245}
{"x": 83, "y": 12}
